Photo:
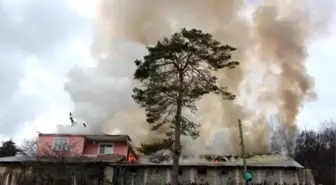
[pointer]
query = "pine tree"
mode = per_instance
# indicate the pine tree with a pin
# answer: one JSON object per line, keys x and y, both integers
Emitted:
{"x": 8, "y": 148}
{"x": 175, "y": 73}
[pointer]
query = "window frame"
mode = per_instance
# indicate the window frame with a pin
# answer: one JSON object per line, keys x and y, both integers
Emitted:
{"x": 100, "y": 144}
{"x": 60, "y": 138}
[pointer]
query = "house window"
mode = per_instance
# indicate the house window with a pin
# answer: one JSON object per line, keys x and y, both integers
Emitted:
{"x": 63, "y": 182}
{"x": 223, "y": 172}
{"x": 180, "y": 171}
{"x": 201, "y": 171}
{"x": 290, "y": 173}
{"x": 61, "y": 144}
{"x": 106, "y": 149}
{"x": 269, "y": 172}
{"x": 156, "y": 171}
{"x": 132, "y": 170}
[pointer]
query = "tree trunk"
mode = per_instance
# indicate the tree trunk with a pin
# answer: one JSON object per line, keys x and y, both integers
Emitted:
{"x": 177, "y": 144}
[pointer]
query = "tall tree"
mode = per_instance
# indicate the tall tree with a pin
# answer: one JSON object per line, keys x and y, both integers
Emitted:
{"x": 175, "y": 73}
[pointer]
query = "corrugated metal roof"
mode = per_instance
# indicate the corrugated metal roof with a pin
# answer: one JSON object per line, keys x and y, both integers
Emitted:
{"x": 16, "y": 159}
{"x": 274, "y": 163}
{"x": 279, "y": 163}
{"x": 25, "y": 159}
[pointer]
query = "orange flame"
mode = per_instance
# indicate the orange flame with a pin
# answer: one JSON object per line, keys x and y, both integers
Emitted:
{"x": 131, "y": 157}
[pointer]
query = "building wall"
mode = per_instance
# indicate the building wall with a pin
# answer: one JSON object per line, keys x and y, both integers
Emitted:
{"x": 161, "y": 175}
{"x": 49, "y": 174}
{"x": 289, "y": 176}
{"x": 91, "y": 148}
{"x": 44, "y": 145}
{"x": 213, "y": 176}
{"x": 266, "y": 175}
{"x": 16, "y": 175}
{"x": 306, "y": 176}
{"x": 226, "y": 176}
{"x": 141, "y": 176}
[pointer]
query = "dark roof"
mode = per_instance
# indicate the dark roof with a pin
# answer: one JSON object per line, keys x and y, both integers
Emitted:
{"x": 100, "y": 137}
{"x": 81, "y": 159}
{"x": 108, "y": 137}
{"x": 117, "y": 160}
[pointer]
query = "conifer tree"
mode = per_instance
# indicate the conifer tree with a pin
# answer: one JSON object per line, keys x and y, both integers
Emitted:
{"x": 175, "y": 73}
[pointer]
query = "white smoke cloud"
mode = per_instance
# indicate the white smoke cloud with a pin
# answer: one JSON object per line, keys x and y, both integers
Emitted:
{"x": 102, "y": 91}
{"x": 102, "y": 94}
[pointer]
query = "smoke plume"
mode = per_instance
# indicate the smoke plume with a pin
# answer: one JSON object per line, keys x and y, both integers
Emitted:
{"x": 271, "y": 37}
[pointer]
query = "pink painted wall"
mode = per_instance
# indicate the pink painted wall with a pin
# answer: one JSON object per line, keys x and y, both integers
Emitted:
{"x": 76, "y": 144}
{"x": 91, "y": 148}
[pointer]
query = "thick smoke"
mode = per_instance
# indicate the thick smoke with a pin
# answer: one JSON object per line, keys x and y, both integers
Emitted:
{"x": 271, "y": 38}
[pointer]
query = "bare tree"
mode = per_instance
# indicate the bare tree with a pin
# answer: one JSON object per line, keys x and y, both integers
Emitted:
{"x": 282, "y": 138}
{"x": 28, "y": 147}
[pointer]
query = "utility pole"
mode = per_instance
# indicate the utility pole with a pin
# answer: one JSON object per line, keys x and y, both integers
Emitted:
{"x": 247, "y": 176}
{"x": 242, "y": 145}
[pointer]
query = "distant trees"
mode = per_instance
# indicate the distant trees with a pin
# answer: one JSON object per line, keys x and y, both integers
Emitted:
{"x": 175, "y": 73}
{"x": 8, "y": 148}
{"x": 316, "y": 150}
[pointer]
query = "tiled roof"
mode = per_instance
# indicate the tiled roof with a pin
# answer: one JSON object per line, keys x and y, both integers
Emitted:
{"x": 100, "y": 137}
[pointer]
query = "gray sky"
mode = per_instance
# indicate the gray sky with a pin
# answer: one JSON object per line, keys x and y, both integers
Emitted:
{"x": 41, "y": 40}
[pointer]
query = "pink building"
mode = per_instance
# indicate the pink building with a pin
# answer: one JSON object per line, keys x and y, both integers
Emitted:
{"x": 97, "y": 146}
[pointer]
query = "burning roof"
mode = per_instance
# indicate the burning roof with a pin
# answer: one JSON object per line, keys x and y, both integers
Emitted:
{"x": 257, "y": 160}
{"x": 287, "y": 163}
{"x": 190, "y": 161}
